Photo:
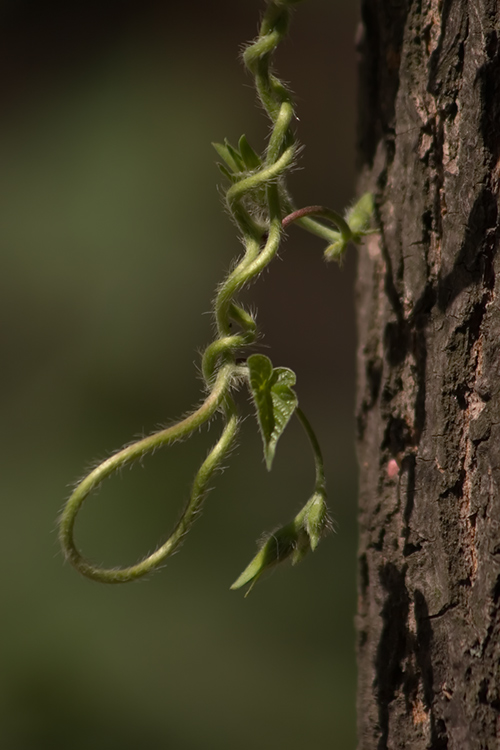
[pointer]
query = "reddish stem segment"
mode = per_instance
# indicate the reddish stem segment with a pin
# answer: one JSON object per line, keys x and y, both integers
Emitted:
{"x": 324, "y": 213}
{"x": 302, "y": 212}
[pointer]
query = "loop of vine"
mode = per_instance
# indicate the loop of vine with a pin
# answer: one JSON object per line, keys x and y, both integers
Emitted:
{"x": 260, "y": 205}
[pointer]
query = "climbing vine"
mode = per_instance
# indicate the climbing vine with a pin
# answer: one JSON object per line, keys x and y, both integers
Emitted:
{"x": 262, "y": 208}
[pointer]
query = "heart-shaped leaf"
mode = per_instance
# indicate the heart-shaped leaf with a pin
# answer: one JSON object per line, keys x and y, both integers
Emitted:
{"x": 275, "y": 401}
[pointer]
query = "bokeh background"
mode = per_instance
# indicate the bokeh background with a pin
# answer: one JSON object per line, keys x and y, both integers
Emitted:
{"x": 113, "y": 239}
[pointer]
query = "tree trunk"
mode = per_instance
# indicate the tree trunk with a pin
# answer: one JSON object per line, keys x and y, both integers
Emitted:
{"x": 428, "y": 407}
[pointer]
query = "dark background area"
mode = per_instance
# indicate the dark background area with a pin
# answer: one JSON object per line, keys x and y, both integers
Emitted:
{"x": 113, "y": 239}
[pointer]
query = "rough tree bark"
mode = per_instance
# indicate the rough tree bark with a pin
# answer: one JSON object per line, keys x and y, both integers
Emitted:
{"x": 428, "y": 410}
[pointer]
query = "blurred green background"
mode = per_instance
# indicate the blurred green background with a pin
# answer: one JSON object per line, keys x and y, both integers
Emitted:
{"x": 113, "y": 239}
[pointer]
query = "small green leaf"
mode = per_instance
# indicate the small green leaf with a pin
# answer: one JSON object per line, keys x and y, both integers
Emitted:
{"x": 251, "y": 159}
{"x": 236, "y": 155}
{"x": 359, "y": 216}
{"x": 225, "y": 171}
{"x": 275, "y": 549}
{"x": 335, "y": 250}
{"x": 294, "y": 540}
{"x": 226, "y": 154}
{"x": 314, "y": 518}
{"x": 274, "y": 399}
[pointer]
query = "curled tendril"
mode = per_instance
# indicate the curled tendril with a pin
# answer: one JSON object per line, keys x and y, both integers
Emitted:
{"x": 261, "y": 207}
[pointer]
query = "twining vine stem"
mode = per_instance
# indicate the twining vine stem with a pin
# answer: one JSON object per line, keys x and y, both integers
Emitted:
{"x": 262, "y": 208}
